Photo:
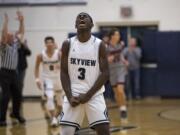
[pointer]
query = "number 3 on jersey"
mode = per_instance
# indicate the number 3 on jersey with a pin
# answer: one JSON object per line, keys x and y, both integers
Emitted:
{"x": 82, "y": 72}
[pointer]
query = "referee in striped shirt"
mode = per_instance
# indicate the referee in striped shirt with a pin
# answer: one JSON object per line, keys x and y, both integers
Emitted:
{"x": 8, "y": 75}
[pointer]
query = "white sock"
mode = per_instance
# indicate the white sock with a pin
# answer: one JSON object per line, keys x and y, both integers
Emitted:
{"x": 123, "y": 108}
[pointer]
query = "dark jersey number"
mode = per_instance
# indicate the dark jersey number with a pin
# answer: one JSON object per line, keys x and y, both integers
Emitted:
{"x": 51, "y": 67}
{"x": 82, "y": 72}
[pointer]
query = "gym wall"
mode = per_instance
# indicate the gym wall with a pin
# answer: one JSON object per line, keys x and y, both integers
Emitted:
{"x": 58, "y": 21}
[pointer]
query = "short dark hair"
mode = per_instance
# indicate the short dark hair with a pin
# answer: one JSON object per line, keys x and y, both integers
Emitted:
{"x": 49, "y": 38}
{"x": 112, "y": 31}
{"x": 90, "y": 18}
{"x": 87, "y": 15}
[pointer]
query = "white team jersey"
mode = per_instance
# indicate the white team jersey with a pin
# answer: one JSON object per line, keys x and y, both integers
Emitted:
{"x": 50, "y": 65}
{"x": 83, "y": 65}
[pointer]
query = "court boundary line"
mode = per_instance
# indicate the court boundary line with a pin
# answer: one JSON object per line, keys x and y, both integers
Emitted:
{"x": 165, "y": 118}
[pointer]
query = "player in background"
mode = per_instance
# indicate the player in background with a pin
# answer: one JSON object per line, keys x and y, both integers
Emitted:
{"x": 118, "y": 70}
{"x": 50, "y": 83}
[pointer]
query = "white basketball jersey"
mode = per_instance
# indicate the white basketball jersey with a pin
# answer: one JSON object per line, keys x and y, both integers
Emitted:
{"x": 51, "y": 65}
{"x": 83, "y": 65}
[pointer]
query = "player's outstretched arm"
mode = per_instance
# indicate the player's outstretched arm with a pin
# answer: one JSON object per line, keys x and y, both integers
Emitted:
{"x": 103, "y": 77}
{"x": 66, "y": 84}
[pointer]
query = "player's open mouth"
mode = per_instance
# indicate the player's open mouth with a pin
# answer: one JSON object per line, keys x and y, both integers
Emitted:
{"x": 82, "y": 23}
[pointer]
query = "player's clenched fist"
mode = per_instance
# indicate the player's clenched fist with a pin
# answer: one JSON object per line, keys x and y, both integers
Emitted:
{"x": 83, "y": 98}
{"x": 74, "y": 101}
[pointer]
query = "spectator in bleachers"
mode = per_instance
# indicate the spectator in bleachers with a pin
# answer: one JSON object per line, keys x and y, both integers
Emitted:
{"x": 23, "y": 53}
{"x": 132, "y": 54}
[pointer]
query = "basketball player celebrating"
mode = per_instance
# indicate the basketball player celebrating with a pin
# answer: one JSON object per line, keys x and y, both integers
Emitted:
{"x": 84, "y": 70}
{"x": 49, "y": 58}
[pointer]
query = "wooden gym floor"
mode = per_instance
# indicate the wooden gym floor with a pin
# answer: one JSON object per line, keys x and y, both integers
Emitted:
{"x": 146, "y": 117}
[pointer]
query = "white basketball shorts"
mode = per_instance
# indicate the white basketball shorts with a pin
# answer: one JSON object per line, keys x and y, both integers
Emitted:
{"x": 95, "y": 110}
